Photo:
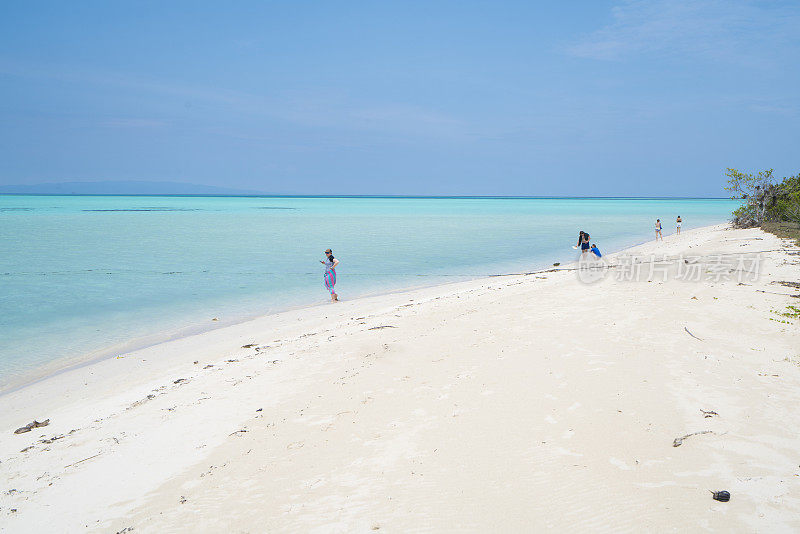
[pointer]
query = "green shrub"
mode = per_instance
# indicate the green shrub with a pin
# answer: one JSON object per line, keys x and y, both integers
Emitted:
{"x": 763, "y": 200}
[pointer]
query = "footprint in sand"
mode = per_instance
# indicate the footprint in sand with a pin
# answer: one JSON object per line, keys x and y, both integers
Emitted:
{"x": 620, "y": 464}
{"x": 566, "y": 452}
{"x": 601, "y": 362}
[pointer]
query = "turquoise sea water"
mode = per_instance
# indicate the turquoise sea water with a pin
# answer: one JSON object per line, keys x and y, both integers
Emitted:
{"x": 80, "y": 274}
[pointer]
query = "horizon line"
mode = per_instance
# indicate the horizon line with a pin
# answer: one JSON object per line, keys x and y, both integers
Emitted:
{"x": 267, "y": 195}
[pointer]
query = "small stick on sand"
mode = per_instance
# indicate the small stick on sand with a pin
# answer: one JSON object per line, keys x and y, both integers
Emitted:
{"x": 679, "y": 441}
{"x": 81, "y": 461}
{"x": 694, "y": 336}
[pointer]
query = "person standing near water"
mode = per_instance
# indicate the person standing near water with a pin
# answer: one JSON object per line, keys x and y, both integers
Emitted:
{"x": 585, "y": 244}
{"x": 678, "y": 222}
{"x": 330, "y": 273}
{"x": 580, "y": 239}
{"x": 658, "y": 230}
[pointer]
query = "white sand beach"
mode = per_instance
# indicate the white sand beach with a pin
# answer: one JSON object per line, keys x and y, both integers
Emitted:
{"x": 516, "y": 403}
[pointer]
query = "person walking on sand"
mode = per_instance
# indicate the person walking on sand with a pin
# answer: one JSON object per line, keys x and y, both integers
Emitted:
{"x": 330, "y": 273}
{"x": 678, "y": 222}
{"x": 658, "y": 230}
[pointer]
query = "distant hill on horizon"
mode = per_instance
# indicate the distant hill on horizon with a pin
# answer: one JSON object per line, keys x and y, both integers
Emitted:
{"x": 123, "y": 188}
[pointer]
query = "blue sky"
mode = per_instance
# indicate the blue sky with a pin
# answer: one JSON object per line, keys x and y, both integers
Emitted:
{"x": 486, "y": 98}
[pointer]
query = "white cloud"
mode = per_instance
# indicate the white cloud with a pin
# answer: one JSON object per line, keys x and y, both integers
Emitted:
{"x": 727, "y": 30}
{"x": 322, "y": 108}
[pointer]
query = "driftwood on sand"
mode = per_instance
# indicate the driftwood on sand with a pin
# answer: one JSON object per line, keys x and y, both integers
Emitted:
{"x": 31, "y": 426}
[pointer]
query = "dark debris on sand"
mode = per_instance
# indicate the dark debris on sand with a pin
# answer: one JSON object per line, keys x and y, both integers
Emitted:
{"x": 30, "y": 426}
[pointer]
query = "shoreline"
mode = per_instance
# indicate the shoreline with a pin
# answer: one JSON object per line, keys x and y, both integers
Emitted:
{"x": 457, "y": 406}
{"x": 71, "y": 363}
{"x": 92, "y": 314}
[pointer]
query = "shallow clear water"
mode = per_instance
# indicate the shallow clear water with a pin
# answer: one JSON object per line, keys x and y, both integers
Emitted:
{"x": 82, "y": 273}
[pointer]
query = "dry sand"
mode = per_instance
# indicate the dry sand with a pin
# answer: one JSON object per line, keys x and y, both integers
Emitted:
{"x": 513, "y": 403}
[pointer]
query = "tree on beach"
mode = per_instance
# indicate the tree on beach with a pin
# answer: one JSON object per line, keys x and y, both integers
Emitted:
{"x": 745, "y": 185}
{"x": 764, "y": 200}
{"x": 788, "y": 201}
